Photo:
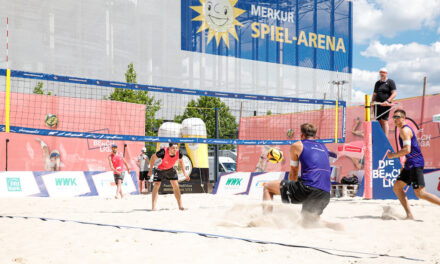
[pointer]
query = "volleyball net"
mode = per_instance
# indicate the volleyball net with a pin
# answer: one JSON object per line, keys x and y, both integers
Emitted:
{"x": 64, "y": 106}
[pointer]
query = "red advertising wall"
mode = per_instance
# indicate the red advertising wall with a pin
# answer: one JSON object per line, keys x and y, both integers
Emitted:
{"x": 276, "y": 127}
{"x": 25, "y": 152}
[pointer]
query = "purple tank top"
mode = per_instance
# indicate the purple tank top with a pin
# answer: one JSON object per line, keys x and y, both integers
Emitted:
{"x": 315, "y": 165}
{"x": 414, "y": 158}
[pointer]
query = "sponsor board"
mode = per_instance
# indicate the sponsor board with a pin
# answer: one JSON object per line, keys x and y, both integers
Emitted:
{"x": 66, "y": 183}
{"x": 192, "y": 186}
{"x": 106, "y": 186}
{"x": 233, "y": 183}
{"x": 18, "y": 183}
{"x": 62, "y": 184}
{"x": 259, "y": 179}
{"x": 432, "y": 182}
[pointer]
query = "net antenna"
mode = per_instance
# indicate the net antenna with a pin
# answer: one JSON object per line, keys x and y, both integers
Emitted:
{"x": 340, "y": 89}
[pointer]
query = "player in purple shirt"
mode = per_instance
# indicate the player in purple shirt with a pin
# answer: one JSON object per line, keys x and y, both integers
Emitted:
{"x": 412, "y": 172}
{"x": 312, "y": 190}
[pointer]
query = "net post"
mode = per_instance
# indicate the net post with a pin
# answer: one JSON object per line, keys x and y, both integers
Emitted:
{"x": 6, "y": 165}
{"x": 368, "y": 180}
{"x": 7, "y": 100}
{"x": 336, "y": 120}
{"x": 216, "y": 146}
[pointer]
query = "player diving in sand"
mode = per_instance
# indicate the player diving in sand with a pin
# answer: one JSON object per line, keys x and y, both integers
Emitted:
{"x": 312, "y": 190}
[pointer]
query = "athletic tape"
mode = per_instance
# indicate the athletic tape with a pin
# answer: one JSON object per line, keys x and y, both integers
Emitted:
{"x": 294, "y": 163}
{"x": 207, "y": 235}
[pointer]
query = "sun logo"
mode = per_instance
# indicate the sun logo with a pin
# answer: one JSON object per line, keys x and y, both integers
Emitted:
{"x": 219, "y": 16}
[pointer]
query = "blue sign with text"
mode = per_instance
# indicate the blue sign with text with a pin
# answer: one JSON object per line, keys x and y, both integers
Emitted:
{"x": 385, "y": 171}
{"x": 306, "y": 33}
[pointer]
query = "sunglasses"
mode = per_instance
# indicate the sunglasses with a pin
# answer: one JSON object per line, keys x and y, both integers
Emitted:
{"x": 397, "y": 117}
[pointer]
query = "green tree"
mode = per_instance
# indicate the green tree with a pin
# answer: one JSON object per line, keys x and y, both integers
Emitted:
{"x": 139, "y": 97}
{"x": 204, "y": 108}
{"x": 38, "y": 89}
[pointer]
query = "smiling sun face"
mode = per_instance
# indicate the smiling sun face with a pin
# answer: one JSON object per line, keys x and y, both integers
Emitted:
{"x": 219, "y": 16}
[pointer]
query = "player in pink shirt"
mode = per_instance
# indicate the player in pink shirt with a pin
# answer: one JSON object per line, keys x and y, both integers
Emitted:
{"x": 165, "y": 171}
{"x": 117, "y": 162}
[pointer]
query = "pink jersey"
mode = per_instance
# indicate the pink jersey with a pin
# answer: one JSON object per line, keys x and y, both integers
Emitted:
{"x": 168, "y": 161}
{"x": 117, "y": 162}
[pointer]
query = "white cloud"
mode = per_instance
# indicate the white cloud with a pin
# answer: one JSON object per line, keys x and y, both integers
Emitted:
{"x": 365, "y": 17}
{"x": 384, "y": 17}
{"x": 406, "y": 64}
{"x": 357, "y": 97}
{"x": 364, "y": 80}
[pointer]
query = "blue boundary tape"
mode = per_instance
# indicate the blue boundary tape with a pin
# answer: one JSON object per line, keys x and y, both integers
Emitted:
{"x": 208, "y": 235}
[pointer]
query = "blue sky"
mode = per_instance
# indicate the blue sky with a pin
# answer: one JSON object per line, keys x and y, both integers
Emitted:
{"x": 401, "y": 35}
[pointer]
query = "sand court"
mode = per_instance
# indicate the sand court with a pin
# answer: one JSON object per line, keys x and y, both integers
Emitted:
{"x": 365, "y": 237}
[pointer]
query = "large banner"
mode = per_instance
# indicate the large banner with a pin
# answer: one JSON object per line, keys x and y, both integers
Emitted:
{"x": 313, "y": 34}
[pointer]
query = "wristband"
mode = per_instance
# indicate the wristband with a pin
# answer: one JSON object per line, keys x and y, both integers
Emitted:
{"x": 294, "y": 163}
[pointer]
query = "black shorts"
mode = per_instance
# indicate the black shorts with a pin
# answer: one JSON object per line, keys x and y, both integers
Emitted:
{"x": 160, "y": 175}
{"x": 119, "y": 177}
{"x": 143, "y": 175}
{"x": 382, "y": 109}
{"x": 313, "y": 200}
{"x": 413, "y": 176}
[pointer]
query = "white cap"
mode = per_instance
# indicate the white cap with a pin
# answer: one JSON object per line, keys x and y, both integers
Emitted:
{"x": 144, "y": 149}
{"x": 383, "y": 69}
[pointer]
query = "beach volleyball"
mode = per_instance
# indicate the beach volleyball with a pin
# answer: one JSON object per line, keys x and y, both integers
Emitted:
{"x": 275, "y": 155}
{"x": 51, "y": 120}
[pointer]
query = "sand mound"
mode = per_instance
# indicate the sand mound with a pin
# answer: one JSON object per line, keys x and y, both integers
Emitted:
{"x": 390, "y": 213}
{"x": 251, "y": 215}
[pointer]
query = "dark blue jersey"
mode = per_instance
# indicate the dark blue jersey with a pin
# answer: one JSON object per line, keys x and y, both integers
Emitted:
{"x": 414, "y": 158}
{"x": 315, "y": 165}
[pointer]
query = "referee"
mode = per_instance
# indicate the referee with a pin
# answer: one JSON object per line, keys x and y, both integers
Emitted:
{"x": 384, "y": 93}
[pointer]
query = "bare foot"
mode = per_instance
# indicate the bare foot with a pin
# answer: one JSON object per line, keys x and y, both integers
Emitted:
{"x": 122, "y": 196}
{"x": 116, "y": 196}
{"x": 181, "y": 208}
{"x": 409, "y": 217}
